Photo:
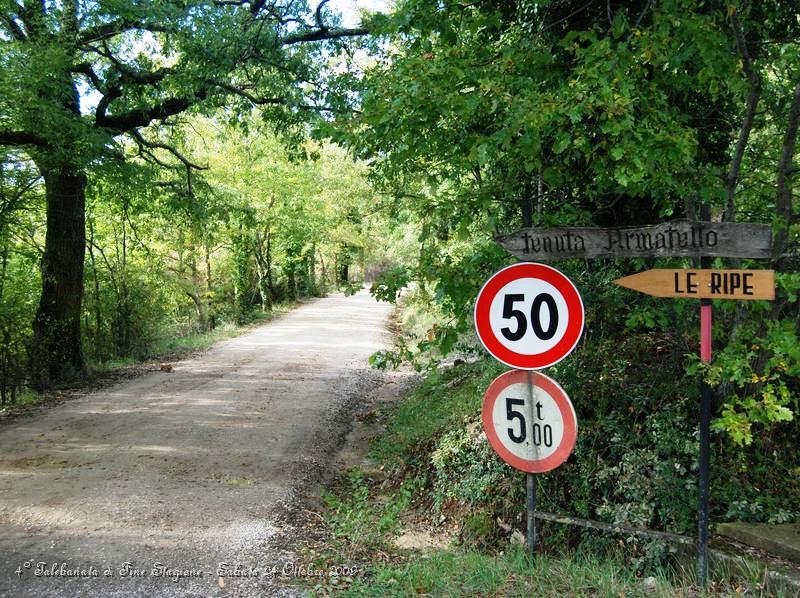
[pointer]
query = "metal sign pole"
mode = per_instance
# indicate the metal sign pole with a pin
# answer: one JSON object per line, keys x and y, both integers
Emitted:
{"x": 704, "y": 460}
{"x": 531, "y": 539}
{"x": 531, "y": 477}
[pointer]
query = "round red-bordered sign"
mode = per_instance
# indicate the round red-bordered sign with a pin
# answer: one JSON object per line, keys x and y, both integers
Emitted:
{"x": 533, "y": 436}
{"x": 529, "y": 316}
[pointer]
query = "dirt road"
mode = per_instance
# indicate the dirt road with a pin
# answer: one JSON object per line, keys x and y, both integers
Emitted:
{"x": 177, "y": 472}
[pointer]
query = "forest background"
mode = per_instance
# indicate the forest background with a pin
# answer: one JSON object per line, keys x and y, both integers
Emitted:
{"x": 171, "y": 168}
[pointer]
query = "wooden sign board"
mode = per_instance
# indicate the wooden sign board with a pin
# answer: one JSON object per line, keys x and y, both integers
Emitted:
{"x": 679, "y": 238}
{"x": 703, "y": 284}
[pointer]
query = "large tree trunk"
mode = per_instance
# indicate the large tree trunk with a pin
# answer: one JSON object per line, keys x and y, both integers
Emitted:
{"x": 56, "y": 354}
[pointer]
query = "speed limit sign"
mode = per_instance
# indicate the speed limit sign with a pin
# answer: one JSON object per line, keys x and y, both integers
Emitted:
{"x": 529, "y": 421}
{"x": 529, "y": 316}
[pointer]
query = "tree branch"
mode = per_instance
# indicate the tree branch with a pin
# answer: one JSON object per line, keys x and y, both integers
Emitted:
{"x": 27, "y": 16}
{"x": 85, "y": 68}
{"x": 13, "y": 28}
{"x": 141, "y": 117}
{"x": 156, "y": 145}
{"x": 18, "y": 138}
{"x": 321, "y": 34}
{"x": 247, "y": 95}
{"x": 109, "y": 95}
{"x": 144, "y": 143}
{"x": 130, "y": 74}
{"x": 783, "y": 204}
{"x": 732, "y": 178}
{"x": 318, "y": 13}
{"x": 109, "y": 30}
{"x": 69, "y": 17}
{"x": 10, "y": 201}
{"x": 641, "y": 14}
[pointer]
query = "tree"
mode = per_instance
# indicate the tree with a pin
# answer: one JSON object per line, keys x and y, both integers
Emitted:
{"x": 478, "y": 118}
{"x": 287, "y": 213}
{"x": 21, "y": 205}
{"x": 77, "y": 76}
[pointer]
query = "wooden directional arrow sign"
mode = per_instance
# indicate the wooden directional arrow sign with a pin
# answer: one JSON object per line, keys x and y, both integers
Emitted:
{"x": 703, "y": 284}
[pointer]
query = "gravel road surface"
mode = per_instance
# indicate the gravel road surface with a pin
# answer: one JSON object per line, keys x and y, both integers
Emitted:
{"x": 147, "y": 487}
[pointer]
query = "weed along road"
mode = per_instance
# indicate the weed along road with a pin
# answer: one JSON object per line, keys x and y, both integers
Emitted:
{"x": 144, "y": 488}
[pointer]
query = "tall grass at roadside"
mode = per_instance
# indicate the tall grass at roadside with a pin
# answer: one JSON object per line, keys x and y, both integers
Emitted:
{"x": 180, "y": 346}
{"x": 456, "y": 573}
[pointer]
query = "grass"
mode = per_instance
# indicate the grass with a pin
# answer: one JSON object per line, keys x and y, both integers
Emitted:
{"x": 364, "y": 517}
{"x": 457, "y": 573}
{"x": 357, "y": 517}
{"x": 362, "y": 523}
{"x": 238, "y": 482}
{"x": 177, "y": 347}
{"x": 441, "y": 400}
{"x": 514, "y": 573}
{"x": 27, "y": 397}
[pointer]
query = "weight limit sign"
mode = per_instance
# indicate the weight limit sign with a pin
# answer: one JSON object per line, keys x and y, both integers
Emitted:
{"x": 529, "y": 421}
{"x": 529, "y": 316}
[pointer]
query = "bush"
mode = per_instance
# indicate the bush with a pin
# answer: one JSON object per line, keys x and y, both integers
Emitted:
{"x": 635, "y": 460}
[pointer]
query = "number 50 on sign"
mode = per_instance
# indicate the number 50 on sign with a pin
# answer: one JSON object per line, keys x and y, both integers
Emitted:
{"x": 529, "y": 316}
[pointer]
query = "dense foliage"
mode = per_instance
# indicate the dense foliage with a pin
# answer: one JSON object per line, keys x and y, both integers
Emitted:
{"x": 481, "y": 118}
{"x": 257, "y": 228}
{"x": 634, "y": 464}
{"x": 156, "y": 177}
{"x": 81, "y": 80}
